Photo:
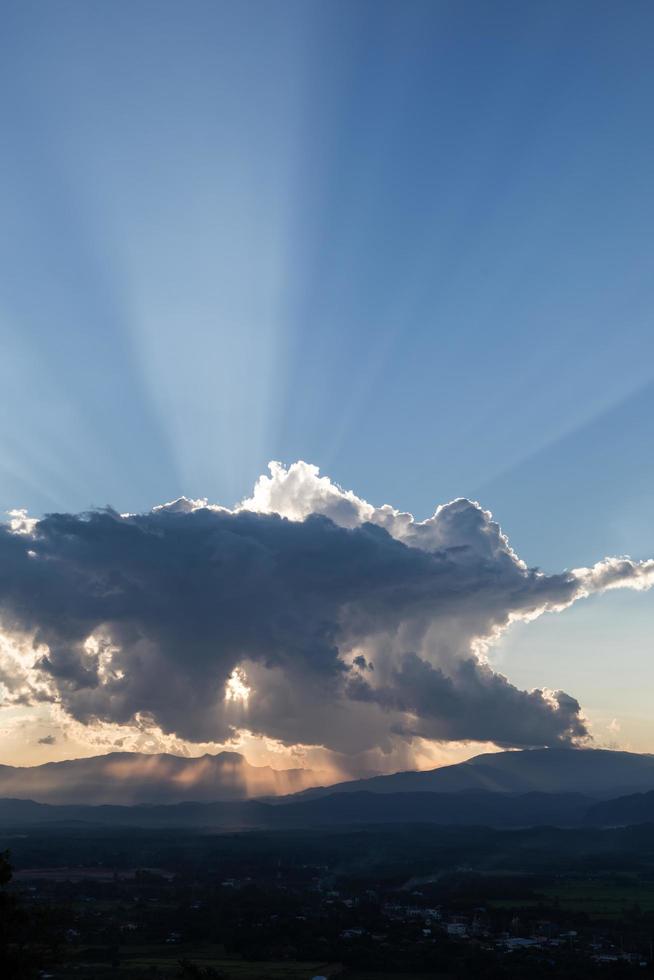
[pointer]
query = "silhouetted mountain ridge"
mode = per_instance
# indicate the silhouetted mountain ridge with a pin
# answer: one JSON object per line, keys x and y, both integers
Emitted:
{"x": 472, "y": 808}
{"x": 124, "y": 778}
{"x": 624, "y": 811}
{"x": 129, "y": 778}
{"x": 600, "y": 773}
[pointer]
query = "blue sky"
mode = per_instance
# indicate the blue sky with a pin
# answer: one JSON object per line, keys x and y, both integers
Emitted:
{"x": 408, "y": 242}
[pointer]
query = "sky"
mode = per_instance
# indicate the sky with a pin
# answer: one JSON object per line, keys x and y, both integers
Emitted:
{"x": 407, "y": 243}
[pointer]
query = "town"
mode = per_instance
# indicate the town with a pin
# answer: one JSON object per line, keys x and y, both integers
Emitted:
{"x": 282, "y": 905}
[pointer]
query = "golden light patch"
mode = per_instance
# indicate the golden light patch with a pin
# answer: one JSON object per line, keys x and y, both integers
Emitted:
{"x": 236, "y": 688}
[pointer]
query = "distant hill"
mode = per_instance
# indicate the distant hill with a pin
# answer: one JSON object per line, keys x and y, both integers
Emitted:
{"x": 473, "y": 808}
{"x": 129, "y": 778}
{"x": 132, "y": 777}
{"x": 623, "y": 811}
{"x": 600, "y": 773}
{"x": 559, "y": 787}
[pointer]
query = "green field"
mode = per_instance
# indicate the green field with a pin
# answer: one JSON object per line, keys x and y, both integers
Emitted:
{"x": 366, "y": 975}
{"x": 150, "y": 962}
{"x": 162, "y": 961}
{"x": 608, "y": 898}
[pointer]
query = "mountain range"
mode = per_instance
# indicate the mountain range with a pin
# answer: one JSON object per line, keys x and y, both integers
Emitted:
{"x": 129, "y": 778}
{"x": 474, "y": 808}
{"x": 600, "y": 773}
{"x": 559, "y": 787}
{"x": 471, "y": 808}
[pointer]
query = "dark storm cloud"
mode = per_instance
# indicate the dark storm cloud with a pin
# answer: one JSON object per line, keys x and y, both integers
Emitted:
{"x": 471, "y": 703}
{"x": 149, "y": 615}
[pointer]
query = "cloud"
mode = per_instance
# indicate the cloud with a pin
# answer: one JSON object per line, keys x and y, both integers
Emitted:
{"x": 346, "y": 625}
{"x": 47, "y": 740}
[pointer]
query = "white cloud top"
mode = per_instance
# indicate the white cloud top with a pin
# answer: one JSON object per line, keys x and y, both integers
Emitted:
{"x": 349, "y": 626}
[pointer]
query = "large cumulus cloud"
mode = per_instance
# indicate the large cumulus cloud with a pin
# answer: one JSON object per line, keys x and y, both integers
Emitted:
{"x": 349, "y": 624}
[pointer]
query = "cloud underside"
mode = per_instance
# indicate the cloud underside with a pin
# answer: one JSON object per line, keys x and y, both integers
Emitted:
{"x": 345, "y": 625}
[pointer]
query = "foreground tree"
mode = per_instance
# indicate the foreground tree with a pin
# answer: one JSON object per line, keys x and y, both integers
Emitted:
{"x": 29, "y": 938}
